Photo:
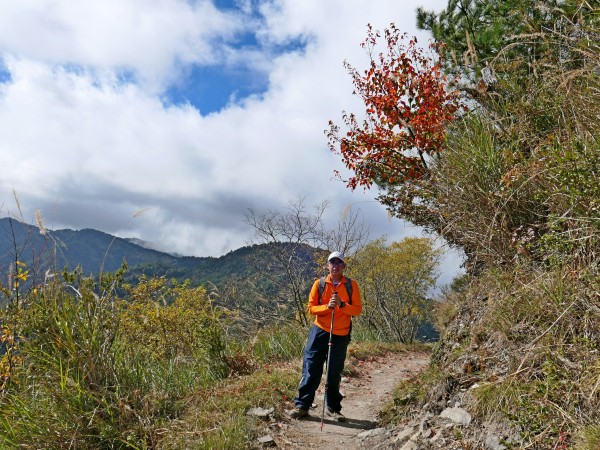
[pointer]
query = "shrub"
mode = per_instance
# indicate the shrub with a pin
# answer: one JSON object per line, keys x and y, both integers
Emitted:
{"x": 173, "y": 322}
{"x": 89, "y": 379}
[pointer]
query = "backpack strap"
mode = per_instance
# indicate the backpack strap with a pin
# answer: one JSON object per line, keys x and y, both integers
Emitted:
{"x": 321, "y": 288}
{"x": 348, "y": 289}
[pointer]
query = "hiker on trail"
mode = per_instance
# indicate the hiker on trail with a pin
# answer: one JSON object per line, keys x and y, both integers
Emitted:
{"x": 337, "y": 295}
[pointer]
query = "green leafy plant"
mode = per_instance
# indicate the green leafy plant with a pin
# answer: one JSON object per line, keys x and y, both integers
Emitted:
{"x": 394, "y": 281}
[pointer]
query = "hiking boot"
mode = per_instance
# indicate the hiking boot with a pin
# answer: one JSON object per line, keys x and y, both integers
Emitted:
{"x": 298, "y": 413}
{"x": 335, "y": 415}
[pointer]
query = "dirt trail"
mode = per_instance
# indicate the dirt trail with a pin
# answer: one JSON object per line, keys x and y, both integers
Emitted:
{"x": 364, "y": 397}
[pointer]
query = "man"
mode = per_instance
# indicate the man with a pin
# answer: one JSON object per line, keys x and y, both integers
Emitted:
{"x": 335, "y": 300}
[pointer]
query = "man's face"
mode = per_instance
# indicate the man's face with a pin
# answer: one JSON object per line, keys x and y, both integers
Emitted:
{"x": 336, "y": 266}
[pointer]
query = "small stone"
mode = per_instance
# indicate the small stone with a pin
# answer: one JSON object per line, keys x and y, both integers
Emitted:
{"x": 371, "y": 433}
{"x": 457, "y": 415}
{"x": 404, "y": 434}
{"x": 425, "y": 422}
{"x": 267, "y": 441}
{"x": 437, "y": 436}
{"x": 415, "y": 437}
{"x": 260, "y": 412}
{"x": 410, "y": 445}
{"x": 493, "y": 443}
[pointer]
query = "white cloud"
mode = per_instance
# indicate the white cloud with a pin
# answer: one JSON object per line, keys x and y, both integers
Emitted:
{"x": 91, "y": 149}
{"x": 151, "y": 39}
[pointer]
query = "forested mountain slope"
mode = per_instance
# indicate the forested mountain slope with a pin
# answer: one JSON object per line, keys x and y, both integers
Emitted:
{"x": 95, "y": 252}
{"x": 507, "y": 168}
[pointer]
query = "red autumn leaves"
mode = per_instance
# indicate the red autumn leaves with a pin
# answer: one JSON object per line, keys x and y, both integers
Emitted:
{"x": 408, "y": 107}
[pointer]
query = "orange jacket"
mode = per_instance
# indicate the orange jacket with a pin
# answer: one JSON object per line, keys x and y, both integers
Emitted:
{"x": 341, "y": 318}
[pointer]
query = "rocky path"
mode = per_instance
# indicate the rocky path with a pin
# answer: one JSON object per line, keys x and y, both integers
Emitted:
{"x": 364, "y": 397}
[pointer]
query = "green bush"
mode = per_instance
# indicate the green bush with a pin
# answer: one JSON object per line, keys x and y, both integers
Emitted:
{"x": 94, "y": 376}
{"x": 173, "y": 322}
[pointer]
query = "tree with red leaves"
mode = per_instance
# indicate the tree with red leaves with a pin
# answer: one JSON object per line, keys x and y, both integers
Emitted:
{"x": 408, "y": 107}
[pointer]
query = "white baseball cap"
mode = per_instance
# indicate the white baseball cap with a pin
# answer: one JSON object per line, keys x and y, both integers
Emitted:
{"x": 337, "y": 255}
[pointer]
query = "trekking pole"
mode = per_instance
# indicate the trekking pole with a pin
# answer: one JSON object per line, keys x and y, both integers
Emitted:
{"x": 327, "y": 368}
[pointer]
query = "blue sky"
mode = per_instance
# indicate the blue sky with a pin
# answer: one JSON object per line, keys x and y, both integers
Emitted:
{"x": 211, "y": 88}
{"x": 167, "y": 120}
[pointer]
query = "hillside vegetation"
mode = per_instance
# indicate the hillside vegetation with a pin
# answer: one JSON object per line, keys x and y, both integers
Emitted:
{"x": 158, "y": 367}
{"x": 122, "y": 360}
{"x": 85, "y": 368}
{"x": 516, "y": 186}
{"x": 503, "y": 162}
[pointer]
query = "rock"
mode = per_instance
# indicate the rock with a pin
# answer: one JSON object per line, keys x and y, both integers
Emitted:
{"x": 267, "y": 441}
{"x": 410, "y": 445}
{"x": 371, "y": 433}
{"x": 260, "y": 412}
{"x": 415, "y": 437}
{"x": 437, "y": 436}
{"x": 425, "y": 422}
{"x": 492, "y": 442}
{"x": 457, "y": 415}
{"x": 404, "y": 434}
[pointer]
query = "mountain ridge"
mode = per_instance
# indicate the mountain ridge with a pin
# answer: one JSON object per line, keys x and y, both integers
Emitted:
{"x": 95, "y": 252}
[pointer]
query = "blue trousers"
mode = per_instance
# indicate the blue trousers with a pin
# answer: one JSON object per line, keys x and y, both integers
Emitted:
{"x": 315, "y": 356}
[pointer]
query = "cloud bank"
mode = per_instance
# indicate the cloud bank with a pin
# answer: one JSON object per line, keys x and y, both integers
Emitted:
{"x": 93, "y": 133}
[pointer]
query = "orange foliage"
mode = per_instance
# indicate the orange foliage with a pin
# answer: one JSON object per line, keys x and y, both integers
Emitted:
{"x": 408, "y": 106}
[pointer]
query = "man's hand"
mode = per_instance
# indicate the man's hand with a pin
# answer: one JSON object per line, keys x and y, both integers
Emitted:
{"x": 335, "y": 301}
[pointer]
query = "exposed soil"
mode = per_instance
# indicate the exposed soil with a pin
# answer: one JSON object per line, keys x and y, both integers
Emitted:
{"x": 364, "y": 396}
